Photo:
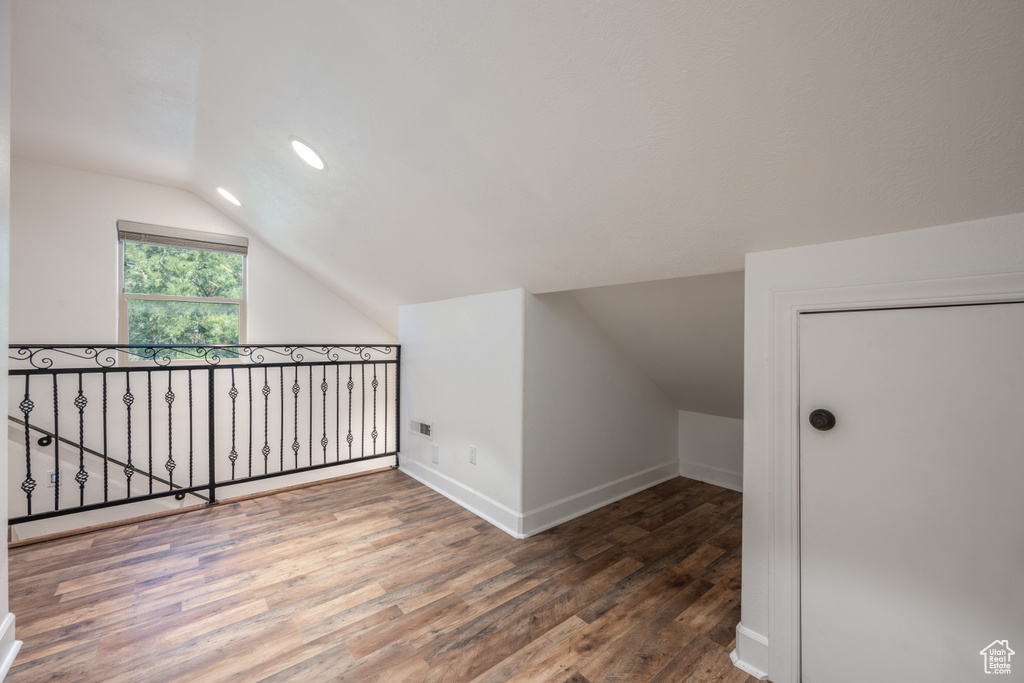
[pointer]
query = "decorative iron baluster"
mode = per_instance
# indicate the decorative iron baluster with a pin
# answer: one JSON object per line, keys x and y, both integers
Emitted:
{"x": 351, "y": 385}
{"x": 362, "y": 412}
{"x": 250, "y": 420}
{"x": 81, "y": 476}
{"x": 128, "y": 399}
{"x": 191, "y": 441}
{"x": 233, "y": 393}
{"x": 337, "y": 413}
{"x": 149, "y": 422}
{"x": 29, "y": 484}
{"x": 281, "y": 377}
{"x": 106, "y": 451}
{"x": 373, "y": 434}
{"x": 211, "y": 433}
{"x": 323, "y": 390}
{"x": 310, "y": 415}
{"x": 295, "y": 393}
{"x": 266, "y": 420}
{"x": 170, "y": 464}
{"x": 385, "y": 406}
{"x": 398, "y": 403}
{"x": 56, "y": 448}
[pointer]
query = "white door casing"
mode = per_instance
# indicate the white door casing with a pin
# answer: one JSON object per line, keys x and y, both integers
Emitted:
{"x": 978, "y": 261}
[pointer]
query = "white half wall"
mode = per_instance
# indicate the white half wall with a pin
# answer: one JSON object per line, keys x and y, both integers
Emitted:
{"x": 8, "y": 645}
{"x": 64, "y": 265}
{"x": 596, "y": 429}
{"x": 711, "y": 449}
{"x": 974, "y": 262}
{"x": 462, "y": 372}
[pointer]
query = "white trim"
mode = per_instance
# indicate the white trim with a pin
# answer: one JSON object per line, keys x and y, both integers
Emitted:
{"x": 547, "y": 516}
{"x": 9, "y": 647}
{"x": 978, "y": 262}
{"x": 751, "y": 653}
{"x": 186, "y": 299}
{"x": 501, "y": 516}
{"x": 123, "y": 297}
{"x": 571, "y": 507}
{"x": 712, "y": 475}
{"x": 784, "y": 559}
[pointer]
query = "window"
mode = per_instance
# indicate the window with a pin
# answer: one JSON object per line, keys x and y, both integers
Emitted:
{"x": 180, "y": 287}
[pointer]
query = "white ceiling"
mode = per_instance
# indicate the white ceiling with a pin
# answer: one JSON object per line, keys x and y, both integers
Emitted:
{"x": 480, "y": 146}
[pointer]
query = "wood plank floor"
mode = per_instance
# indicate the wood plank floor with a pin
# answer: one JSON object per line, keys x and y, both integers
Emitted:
{"x": 378, "y": 578}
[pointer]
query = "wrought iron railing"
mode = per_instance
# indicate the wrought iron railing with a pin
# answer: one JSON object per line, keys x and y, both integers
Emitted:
{"x": 131, "y": 423}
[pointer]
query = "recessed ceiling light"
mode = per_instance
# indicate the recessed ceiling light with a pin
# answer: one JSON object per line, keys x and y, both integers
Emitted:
{"x": 308, "y": 155}
{"x": 228, "y": 196}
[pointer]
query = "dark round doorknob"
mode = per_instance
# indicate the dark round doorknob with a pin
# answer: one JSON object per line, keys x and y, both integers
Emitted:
{"x": 822, "y": 420}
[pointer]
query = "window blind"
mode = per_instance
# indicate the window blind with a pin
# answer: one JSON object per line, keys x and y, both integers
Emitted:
{"x": 179, "y": 237}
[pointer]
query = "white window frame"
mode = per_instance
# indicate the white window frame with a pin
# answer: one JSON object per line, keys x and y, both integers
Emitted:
{"x": 130, "y": 231}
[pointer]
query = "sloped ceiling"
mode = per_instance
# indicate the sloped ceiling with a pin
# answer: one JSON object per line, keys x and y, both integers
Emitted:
{"x": 480, "y": 146}
{"x": 477, "y": 146}
{"x": 686, "y": 334}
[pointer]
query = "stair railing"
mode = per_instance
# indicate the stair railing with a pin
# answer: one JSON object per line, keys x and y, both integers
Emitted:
{"x": 129, "y": 423}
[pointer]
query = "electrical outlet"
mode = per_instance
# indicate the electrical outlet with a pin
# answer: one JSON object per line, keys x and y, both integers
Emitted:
{"x": 472, "y": 455}
{"x": 51, "y": 479}
{"x": 435, "y": 454}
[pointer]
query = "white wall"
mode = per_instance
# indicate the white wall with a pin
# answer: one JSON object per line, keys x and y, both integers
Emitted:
{"x": 563, "y": 423}
{"x": 711, "y": 449}
{"x": 462, "y": 371}
{"x": 968, "y": 262}
{"x": 595, "y": 428}
{"x": 8, "y": 646}
{"x": 64, "y": 266}
{"x": 64, "y": 290}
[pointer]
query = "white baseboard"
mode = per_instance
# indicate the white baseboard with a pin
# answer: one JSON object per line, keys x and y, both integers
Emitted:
{"x": 501, "y": 516}
{"x": 751, "y": 653}
{"x": 9, "y": 647}
{"x": 547, "y": 516}
{"x": 712, "y": 475}
{"x": 578, "y": 504}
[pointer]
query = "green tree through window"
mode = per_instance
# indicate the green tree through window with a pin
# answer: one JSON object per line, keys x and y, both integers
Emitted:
{"x": 177, "y": 295}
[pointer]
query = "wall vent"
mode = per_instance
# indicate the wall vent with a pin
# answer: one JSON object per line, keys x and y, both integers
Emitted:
{"x": 424, "y": 429}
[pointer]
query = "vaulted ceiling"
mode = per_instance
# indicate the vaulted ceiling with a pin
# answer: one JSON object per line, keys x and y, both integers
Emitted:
{"x": 479, "y": 146}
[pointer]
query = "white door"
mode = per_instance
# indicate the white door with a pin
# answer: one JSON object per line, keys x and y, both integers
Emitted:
{"x": 912, "y": 505}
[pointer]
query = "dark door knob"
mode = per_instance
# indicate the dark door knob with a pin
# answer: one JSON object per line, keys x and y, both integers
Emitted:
{"x": 822, "y": 420}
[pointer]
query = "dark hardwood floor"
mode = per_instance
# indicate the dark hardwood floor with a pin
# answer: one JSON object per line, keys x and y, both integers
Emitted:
{"x": 378, "y": 578}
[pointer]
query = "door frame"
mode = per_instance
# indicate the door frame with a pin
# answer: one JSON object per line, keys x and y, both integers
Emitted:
{"x": 775, "y": 299}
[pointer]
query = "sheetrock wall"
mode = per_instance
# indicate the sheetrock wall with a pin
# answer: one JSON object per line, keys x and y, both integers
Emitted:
{"x": 561, "y": 421}
{"x": 711, "y": 449}
{"x": 64, "y": 286}
{"x": 462, "y": 373}
{"x": 64, "y": 266}
{"x": 595, "y": 428}
{"x": 966, "y": 262}
{"x": 8, "y": 646}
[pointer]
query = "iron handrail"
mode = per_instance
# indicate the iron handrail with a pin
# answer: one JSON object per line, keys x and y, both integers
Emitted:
{"x": 50, "y": 436}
